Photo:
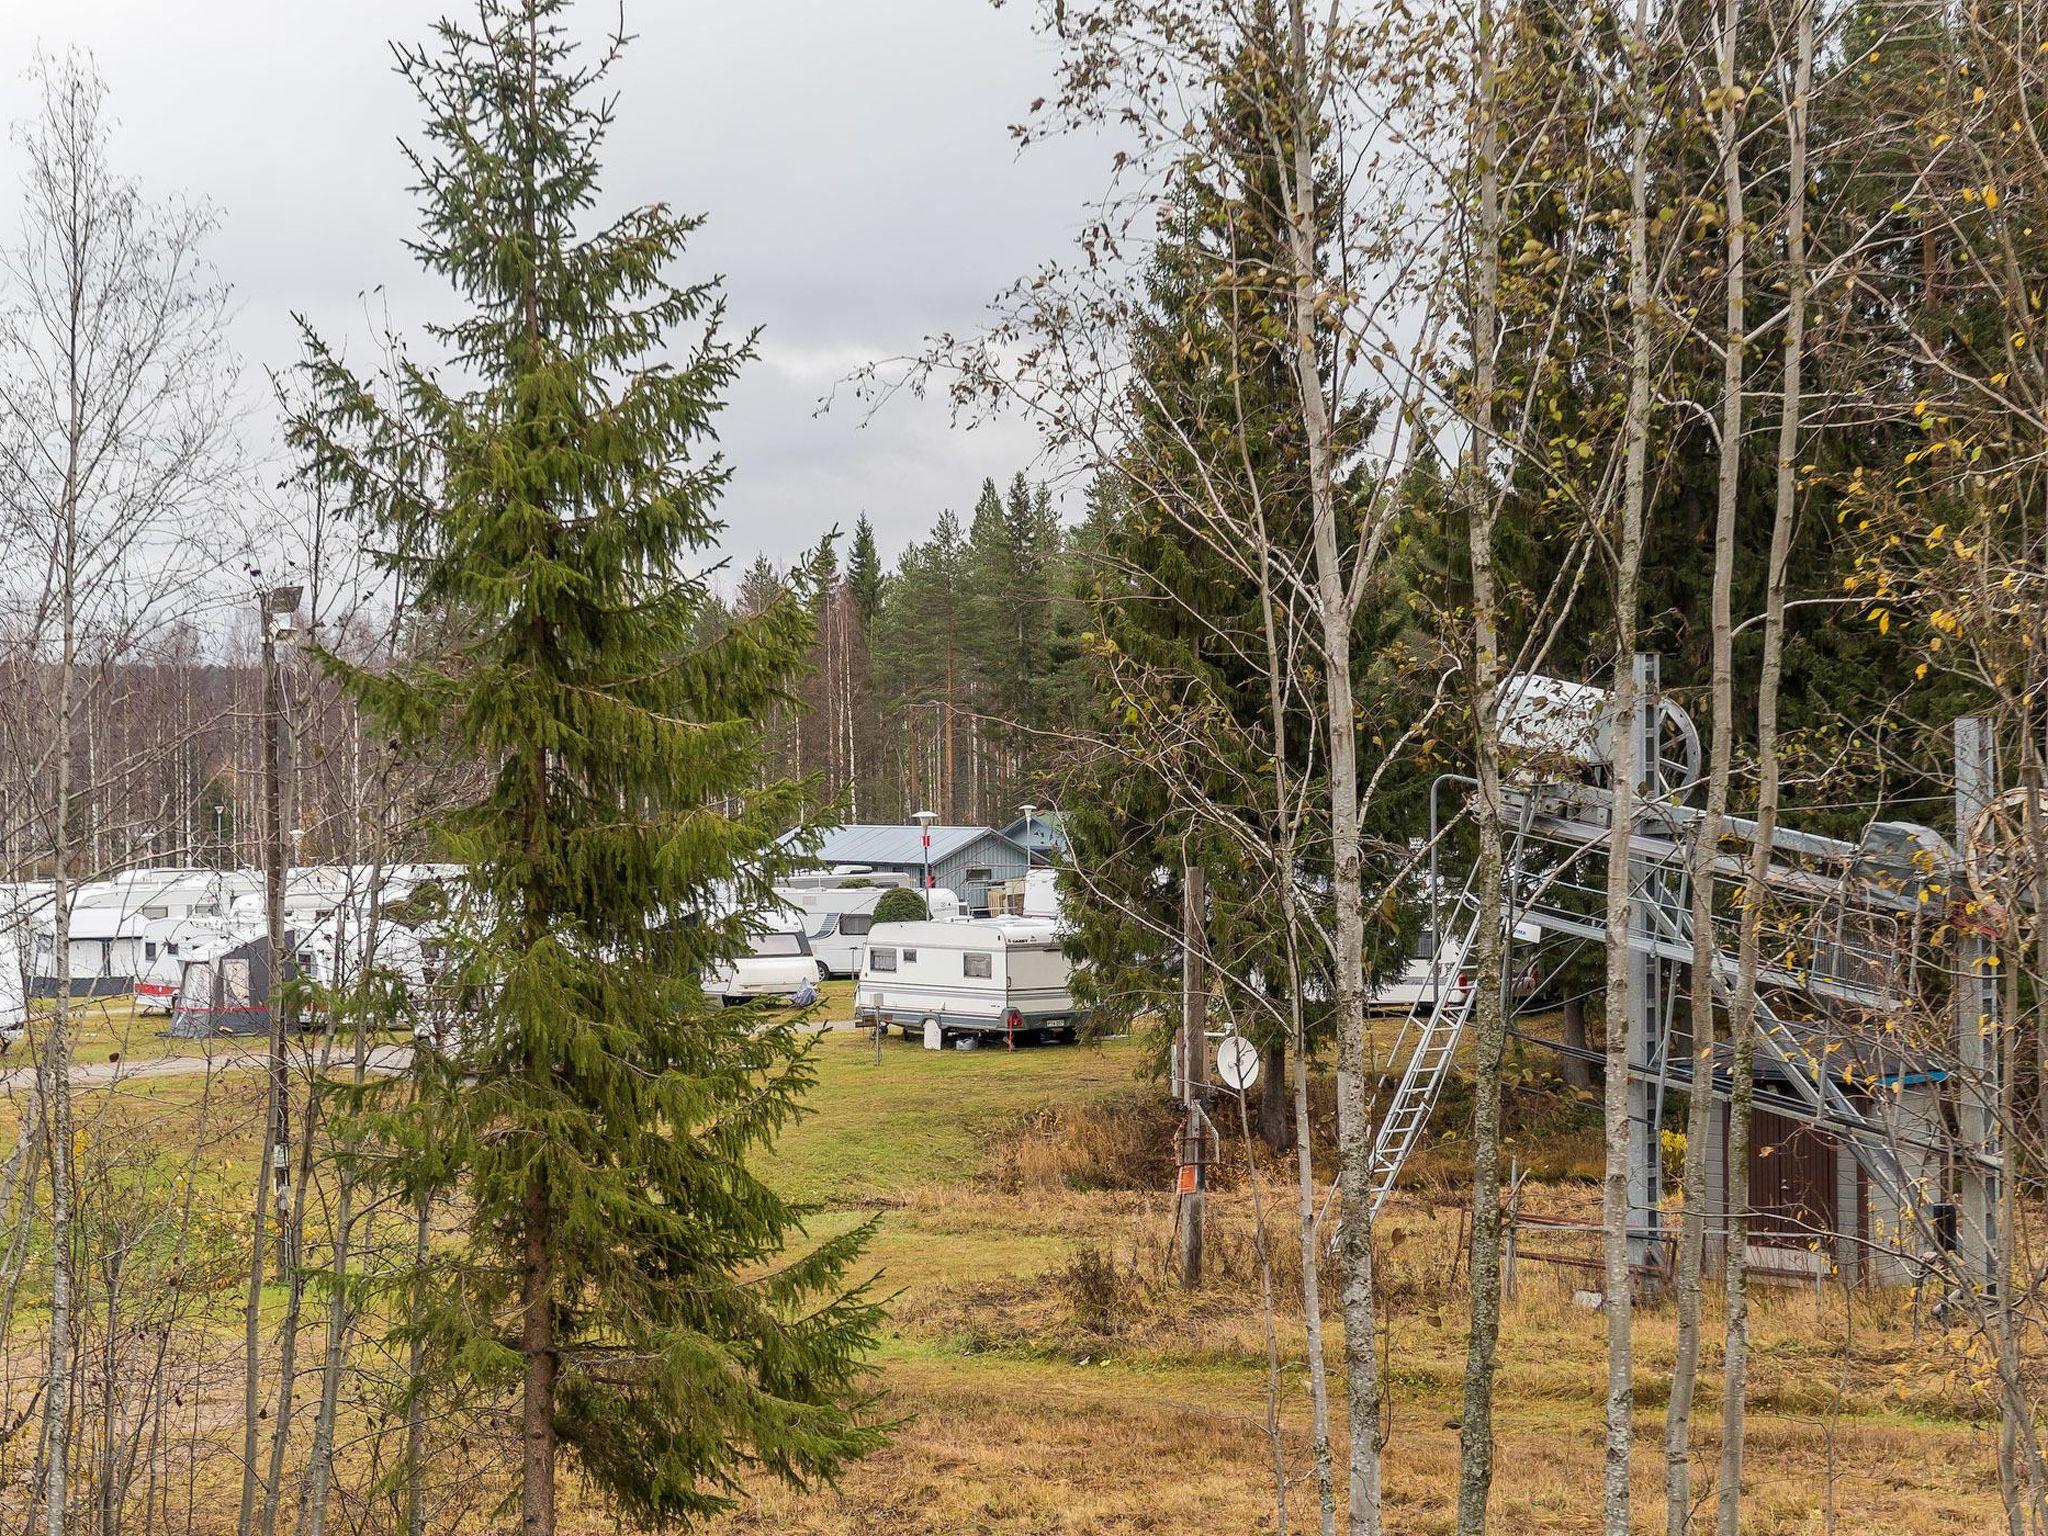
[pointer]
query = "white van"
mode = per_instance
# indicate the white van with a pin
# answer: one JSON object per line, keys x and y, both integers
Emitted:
{"x": 840, "y": 919}
{"x": 995, "y": 976}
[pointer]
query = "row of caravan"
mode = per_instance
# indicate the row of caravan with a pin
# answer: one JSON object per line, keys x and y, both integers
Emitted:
{"x": 193, "y": 944}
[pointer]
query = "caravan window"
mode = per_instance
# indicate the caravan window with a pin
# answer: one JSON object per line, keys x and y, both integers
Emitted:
{"x": 910, "y": 957}
{"x": 149, "y": 949}
{"x": 977, "y": 962}
{"x": 1425, "y": 945}
{"x": 855, "y": 925}
{"x": 779, "y": 944}
{"x": 156, "y": 912}
{"x": 882, "y": 959}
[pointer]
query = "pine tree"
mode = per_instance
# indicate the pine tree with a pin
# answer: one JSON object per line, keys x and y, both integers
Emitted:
{"x": 621, "y": 1272}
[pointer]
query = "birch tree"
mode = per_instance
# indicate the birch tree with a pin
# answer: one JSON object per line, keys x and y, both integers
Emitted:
{"x": 114, "y": 441}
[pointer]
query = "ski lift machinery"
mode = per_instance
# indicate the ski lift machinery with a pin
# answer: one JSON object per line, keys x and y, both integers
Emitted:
{"x": 1840, "y": 964}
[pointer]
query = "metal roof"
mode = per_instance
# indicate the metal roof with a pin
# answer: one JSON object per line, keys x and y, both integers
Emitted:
{"x": 871, "y": 844}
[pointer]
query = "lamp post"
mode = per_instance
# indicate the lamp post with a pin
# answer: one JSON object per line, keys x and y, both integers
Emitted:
{"x": 1030, "y": 825}
{"x": 275, "y": 610}
{"x": 924, "y": 820}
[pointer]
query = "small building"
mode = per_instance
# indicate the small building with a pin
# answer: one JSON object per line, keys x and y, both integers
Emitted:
{"x": 1042, "y": 834}
{"x": 1815, "y": 1211}
{"x": 965, "y": 860}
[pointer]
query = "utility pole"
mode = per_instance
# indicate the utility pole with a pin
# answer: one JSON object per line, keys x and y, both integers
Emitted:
{"x": 278, "y": 604}
{"x": 1194, "y": 1075}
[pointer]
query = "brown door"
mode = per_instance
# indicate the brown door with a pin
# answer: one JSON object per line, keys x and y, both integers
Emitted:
{"x": 1791, "y": 1183}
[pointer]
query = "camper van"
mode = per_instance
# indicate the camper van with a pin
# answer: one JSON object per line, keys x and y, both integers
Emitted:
{"x": 838, "y": 921}
{"x": 1435, "y": 966}
{"x": 1002, "y": 977}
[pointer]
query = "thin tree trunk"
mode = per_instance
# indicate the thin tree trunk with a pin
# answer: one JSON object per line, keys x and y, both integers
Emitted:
{"x": 53, "y": 1067}
{"x": 1735, "y": 1368}
{"x": 415, "y": 1406}
{"x": 1361, "y": 1353}
{"x": 1575, "y": 1070}
{"x": 1297, "y": 1034}
{"x": 1475, "y": 1437}
{"x": 537, "y": 1347}
{"x": 1274, "y": 1126}
{"x": 1620, "y": 1405}
{"x": 1706, "y": 845}
{"x": 320, "y": 1460}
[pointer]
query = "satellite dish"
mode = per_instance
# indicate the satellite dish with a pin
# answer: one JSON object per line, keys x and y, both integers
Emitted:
{"x": 1237, "y": 1063}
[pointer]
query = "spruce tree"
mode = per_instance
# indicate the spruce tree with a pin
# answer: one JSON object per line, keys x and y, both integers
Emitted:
{"x": 864, "y": 573}
{"x": 621, "y": 1272}
{"x": 1175, "y": 652}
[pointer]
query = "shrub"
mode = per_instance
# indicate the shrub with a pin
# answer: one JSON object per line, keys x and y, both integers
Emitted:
{"x": 900, "y": 904}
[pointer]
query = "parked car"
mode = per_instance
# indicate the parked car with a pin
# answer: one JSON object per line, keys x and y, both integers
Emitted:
{"x": 778, "y": 964}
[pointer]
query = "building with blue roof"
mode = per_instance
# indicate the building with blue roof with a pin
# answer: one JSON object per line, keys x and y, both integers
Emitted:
{"x": 964, "y": 860}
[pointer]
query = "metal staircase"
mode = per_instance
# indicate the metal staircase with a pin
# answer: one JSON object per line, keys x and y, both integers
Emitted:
{"x": 1429, "y": 1062}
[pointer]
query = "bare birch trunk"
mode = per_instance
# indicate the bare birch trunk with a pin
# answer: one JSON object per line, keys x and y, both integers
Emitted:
{"x": 1334, "y": 615}
{"x": 1735, "y": 1371}
{"x": 1620, "y": 1407}
{"x": 320, "y": 1459}
{"x": 1706, "y": 845}
{"x": 53, "y": 1065}
{"x": 1297, "y": 1038}
{"x": 1475, "y": 1437}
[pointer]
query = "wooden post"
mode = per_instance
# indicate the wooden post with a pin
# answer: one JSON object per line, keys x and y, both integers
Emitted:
{"x": 1514, "y": 1207}
{"x": 1194, "y": 1077}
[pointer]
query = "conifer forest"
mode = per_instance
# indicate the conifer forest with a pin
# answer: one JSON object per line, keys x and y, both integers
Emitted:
{"x": 1066, "y": 766}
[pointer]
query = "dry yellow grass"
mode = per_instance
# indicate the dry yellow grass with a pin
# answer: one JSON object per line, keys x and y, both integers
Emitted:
{"x": 1052, "y": 1383}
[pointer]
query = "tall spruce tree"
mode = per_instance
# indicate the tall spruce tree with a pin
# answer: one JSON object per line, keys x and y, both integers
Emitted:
{"x": 621, "y": 1271}
{"x": 864, "y": 573}
{"x": 1176, "y": 652}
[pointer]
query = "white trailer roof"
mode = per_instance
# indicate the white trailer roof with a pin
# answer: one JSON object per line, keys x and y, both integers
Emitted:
{"x": 969, "y": 933}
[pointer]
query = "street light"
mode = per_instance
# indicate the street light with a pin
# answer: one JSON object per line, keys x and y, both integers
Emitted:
{"x": 924, "y": 820}
{"x": 276, "y": 608}
{"x": 1030, "y": 852}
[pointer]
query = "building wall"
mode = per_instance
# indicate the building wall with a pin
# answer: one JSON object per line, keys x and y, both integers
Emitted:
{"x": 995, "y": 859}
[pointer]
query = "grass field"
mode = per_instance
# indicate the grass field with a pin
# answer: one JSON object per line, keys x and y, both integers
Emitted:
{"x": 1051, "y": 1379}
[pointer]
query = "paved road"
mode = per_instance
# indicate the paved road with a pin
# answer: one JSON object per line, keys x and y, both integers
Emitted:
{"x": 228, "y": 1056}
{"x": 236, "y": 1055}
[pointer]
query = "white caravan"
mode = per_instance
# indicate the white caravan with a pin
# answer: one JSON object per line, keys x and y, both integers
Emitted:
{"x": 777, "y": 963}
{"x": 994, "y": 976}
{"x": 837, "y": 920}
{"x": 1435, "y": 966}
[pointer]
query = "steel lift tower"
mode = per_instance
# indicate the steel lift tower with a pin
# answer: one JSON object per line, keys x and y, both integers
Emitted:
{"x": 1842, "y": 982}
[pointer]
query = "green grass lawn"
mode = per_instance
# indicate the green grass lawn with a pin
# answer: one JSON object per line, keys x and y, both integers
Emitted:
{"x": 926, "y": 1117}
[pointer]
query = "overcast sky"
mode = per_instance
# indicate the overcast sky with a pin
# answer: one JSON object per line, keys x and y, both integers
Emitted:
{"x": 852, "y": 156}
